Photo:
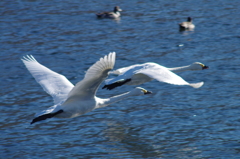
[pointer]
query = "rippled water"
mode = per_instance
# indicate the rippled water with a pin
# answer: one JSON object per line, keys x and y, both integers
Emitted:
{"x": 175, "y": 122}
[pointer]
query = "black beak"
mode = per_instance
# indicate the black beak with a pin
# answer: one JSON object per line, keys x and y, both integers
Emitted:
{"x": 148, "y": 92}
{"x": 205, "y": 67}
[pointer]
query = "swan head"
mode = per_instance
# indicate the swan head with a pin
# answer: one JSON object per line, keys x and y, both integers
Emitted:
{"x": 138, "y": 91}
{"x": 198, "y": 66}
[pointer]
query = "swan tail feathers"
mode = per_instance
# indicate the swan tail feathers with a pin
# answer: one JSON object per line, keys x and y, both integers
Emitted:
{"x": 196, "y": 85}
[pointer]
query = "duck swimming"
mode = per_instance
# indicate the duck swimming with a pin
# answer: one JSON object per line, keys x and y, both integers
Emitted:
{"x": 188, "y": 25}
{"x": 112, "y": 15}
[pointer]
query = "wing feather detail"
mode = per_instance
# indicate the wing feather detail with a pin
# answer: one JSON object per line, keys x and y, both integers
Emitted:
{"x": 56, "y": 85}
{"x": 94, "y": 76}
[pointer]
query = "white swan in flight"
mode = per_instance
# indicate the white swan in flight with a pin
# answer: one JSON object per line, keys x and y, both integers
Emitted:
{"x": 69, "y": 100}
{"x": 141, "y": 73}
{"x": 192, "y": 67}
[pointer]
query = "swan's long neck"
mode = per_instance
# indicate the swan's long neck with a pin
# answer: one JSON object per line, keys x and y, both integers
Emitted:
{"x": 108, "y": 101}
{"x": 179, "y": 69}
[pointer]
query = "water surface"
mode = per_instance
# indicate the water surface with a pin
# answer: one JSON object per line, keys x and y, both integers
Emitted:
{"x": 175, "y": 122}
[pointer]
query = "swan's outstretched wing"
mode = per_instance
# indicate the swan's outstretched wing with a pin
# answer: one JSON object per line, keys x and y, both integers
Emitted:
{"x": 94, "y": 76}
{"x": 58, "y": 86}
{"x": 162, "y": 74}
{"x": 128, "y": 73}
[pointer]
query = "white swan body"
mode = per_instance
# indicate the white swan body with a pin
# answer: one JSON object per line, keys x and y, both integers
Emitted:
{"x": 141, "y": 73}
{"x": 69, "y": 100}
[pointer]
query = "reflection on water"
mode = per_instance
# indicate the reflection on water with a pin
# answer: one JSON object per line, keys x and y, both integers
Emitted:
{"x": 130, "y": 140}
{"x": 184, "y": 30}
{"x": 117, "y": 20}
{"x": 175, "y": 122}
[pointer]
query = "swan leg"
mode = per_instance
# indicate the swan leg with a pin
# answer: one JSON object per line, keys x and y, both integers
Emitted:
{"x": 116, "y": 84}
{"x": 45, "y": 116}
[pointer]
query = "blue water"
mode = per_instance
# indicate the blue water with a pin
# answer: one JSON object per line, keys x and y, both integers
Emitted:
{"x": 174, "y": 122}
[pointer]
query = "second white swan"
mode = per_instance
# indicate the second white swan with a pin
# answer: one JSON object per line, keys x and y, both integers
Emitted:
{"x": 141, "y": 73}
